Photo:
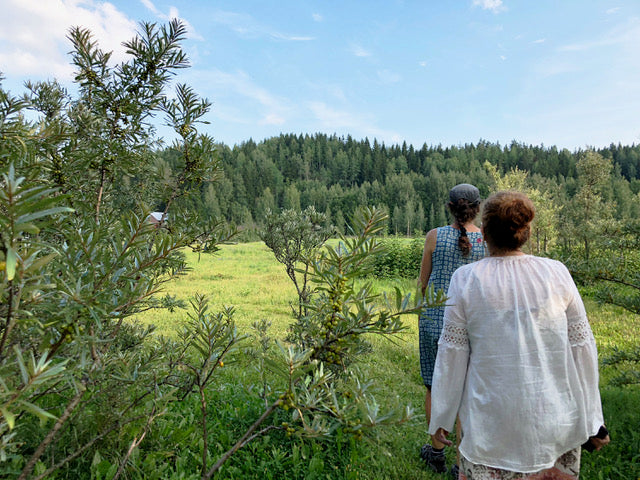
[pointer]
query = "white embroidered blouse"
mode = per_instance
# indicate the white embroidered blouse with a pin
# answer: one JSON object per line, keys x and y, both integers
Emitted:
{"x": 517, "y": 362}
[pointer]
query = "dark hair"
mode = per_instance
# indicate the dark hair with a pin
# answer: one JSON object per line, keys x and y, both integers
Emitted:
{"x": 506, "y": 220}
{"x": 464, "y": 211}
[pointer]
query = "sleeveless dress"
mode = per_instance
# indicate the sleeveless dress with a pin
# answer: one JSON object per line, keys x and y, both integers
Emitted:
{"x": 446, "y": 258}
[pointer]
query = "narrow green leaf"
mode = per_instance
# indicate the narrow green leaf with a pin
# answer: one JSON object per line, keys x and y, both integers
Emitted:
{"x": 9, "y": 417}
{"x": 42, "y": 261}
{"x": 12, "y": 260}
{"x": 27, "y": 227}
{"x": 43, "y": 213}
{"x": 37, "y": 411}
{"x": 21, "y": 365}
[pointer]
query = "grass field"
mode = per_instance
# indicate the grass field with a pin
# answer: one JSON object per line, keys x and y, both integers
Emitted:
{"x": 248, "y": 277}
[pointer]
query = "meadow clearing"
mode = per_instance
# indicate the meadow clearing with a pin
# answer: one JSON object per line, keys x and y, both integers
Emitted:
{"x": 247, "y": 276}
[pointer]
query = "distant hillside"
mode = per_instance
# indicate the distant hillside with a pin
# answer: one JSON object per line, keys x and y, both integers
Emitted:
{"x": 336, "y": 174}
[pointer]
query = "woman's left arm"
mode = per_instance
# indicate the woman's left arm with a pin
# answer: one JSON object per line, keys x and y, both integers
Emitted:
{"x": 585, "y": 356}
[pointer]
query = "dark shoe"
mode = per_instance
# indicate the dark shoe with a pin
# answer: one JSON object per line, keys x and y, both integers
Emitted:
{"x": 434, "y": 460}
{"x": 455, "y": 472}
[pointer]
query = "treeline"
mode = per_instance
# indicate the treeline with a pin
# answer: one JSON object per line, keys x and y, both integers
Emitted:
{"x": 337, "y": 174}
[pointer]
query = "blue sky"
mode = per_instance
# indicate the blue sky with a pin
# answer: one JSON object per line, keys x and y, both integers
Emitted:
{"x": 563, "y": 73}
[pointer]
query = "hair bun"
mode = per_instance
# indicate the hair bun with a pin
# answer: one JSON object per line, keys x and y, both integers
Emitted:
{"x": 507, "y": 218}
{"x": 518, "y": 215}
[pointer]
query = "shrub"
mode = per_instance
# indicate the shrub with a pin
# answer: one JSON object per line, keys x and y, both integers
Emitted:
{"x": 79, "y": 258}
{"x": 400, "y": 258}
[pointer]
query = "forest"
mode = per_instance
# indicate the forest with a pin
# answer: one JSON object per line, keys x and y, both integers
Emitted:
{"x": 336, "y": 175}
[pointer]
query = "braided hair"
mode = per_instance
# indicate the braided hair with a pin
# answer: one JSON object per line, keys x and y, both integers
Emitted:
{"x": 464, "y": 211}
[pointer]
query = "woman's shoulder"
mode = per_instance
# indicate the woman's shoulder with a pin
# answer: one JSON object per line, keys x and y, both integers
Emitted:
{"x": 550, "y": 262}
{"x": 447, "y": 230}
{"x": 552, "y": 265}
{"x": 432, "y": 235}
{"x": 466, "y": 270}
{"x": 544, "y": 265}
{"x": 439, "y": 232}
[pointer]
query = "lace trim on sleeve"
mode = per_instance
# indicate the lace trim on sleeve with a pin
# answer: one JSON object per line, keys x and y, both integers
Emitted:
{"x": 454, "y": 336}
{"x": 580, "y": 332}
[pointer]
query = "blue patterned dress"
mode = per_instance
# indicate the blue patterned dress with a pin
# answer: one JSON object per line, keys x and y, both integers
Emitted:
{"x": 446, "y": 258}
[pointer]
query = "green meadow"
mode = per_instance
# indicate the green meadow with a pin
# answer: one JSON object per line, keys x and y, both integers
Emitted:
{"x": 248, "y": 277}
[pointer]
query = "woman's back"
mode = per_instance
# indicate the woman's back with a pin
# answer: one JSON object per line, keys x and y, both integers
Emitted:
{"x": 445, "y": 259}
{"x": 522, "y": 316}
{"x": 447, "y": 256}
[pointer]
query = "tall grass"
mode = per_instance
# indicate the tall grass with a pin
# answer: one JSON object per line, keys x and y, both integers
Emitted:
{"x": 244, "y": 275}
{"x": 248, "y": 277}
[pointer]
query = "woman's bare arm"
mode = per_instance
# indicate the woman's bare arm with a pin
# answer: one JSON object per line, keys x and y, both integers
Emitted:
{"x": 425, "y": 265}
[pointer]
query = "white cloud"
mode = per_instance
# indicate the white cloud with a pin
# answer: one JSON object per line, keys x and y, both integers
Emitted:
{"x": 324, "y": 89}
{"x": 596, "y": 99}
{"x": 317, "y": 17}
{"x": 540, "y": 40}
{"x": 330, "y": 117}
{"x": 248, "y": 27}
{"x": 360, "y": 51}
{"x": 34, "y": 41}
{"x": 494, "y": 5}
{"x": 613, "y": 10}
{"x": 626, "y": 34}
{"x": 290, "y": 38}
{"x": 422, "y": 63}
{"x": 616, "y": 47}
{"x": 151, "y": 7}
{"x": 272, "y": 119}
{"x": 333, "y": 120}
{"x": 242, "y": 83}
{"x": 173, "y": 13}
{"x": 273, "y": 110}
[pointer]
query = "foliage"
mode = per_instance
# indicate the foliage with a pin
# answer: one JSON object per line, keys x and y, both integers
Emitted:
{"x": 340, "y": 314}
{"x": 294, "y": 237}
{"x": 544, "y": 226}
{"x": 613, "y": 274}
{"x": 79, "y": 257}
{"x": 627, "y": 363}
{"x": 337, "y": 174}
{"x": 619, "y": 459}
{"x": 208, "y": 338}
{"x": 591, "y": 215}
{"x": 319, "y": 380}
{"x": 608, "y": 258}
{"x": 400, "y": 258}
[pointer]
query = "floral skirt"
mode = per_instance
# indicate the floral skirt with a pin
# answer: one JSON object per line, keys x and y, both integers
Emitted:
{"x": 567, "y": 467}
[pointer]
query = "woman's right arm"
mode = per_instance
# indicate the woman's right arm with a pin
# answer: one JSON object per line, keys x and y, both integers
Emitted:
{"x": 425, "y": 265}
{"x": 452, "y": 360}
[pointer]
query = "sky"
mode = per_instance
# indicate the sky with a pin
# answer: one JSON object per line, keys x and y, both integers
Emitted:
{"x": 563, "y": 73}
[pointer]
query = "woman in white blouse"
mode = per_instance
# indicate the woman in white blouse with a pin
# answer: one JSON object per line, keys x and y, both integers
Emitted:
{"x": 516, "y": 360}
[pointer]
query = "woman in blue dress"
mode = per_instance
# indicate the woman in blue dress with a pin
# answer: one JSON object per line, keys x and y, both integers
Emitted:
{"x": 445, "y": 249}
